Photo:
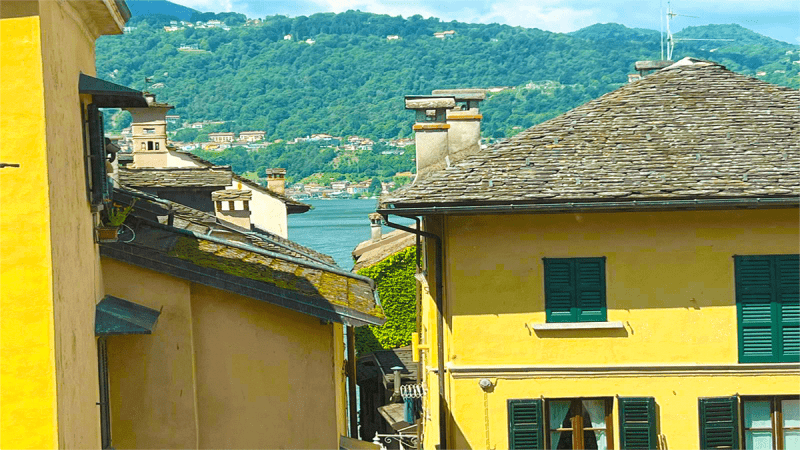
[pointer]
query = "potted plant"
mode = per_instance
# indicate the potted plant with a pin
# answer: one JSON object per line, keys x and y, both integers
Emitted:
{"x": 114, "y": 218}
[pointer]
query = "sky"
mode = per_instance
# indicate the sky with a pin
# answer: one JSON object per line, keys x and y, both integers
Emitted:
{"x": 778, "y": 19}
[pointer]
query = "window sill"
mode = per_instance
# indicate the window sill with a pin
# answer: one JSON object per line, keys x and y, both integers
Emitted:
{"x": 578, "y": 326}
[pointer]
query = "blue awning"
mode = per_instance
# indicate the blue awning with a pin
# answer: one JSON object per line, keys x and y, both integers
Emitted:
{"x": 114, "y": 315}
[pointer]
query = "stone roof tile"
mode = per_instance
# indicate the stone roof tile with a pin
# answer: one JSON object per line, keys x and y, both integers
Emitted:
{"x": 695, "y": 131}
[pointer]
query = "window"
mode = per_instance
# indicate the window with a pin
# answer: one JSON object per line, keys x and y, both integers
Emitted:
{"x": 157, "y": 145}
{"x": 581, "y": 423}
{"x": 768, "y": 308}
{"x": 575, "y": 289}
{"x": 144, "y": 146}
{"x": 96, "y": 156}
{"x": 767, "y": 423}
{"x": 149, "y": 131}
{"x": 149, "y": 145}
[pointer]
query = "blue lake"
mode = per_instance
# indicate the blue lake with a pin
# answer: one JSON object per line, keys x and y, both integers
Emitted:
{"x": 336, "y": 227}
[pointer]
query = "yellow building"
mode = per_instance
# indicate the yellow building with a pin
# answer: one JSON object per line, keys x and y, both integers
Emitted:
{"x": 160, "y": 336}
{"x": 248, "y": 348}
{"x": 49, "y": 266}
{"x": 622, "y": 276}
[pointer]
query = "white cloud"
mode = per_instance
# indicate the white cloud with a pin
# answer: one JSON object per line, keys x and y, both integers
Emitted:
{"x": 551, "y": 17}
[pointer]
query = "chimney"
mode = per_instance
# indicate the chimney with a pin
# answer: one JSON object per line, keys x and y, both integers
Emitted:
{"x": 276, "y": 180}
{"x": 375, "y": 226}
{"x": 233, "y": 206}
{"x": 149, "y": 134}
{"x": 431, "y": 131}
{"x": 464, "y": 135}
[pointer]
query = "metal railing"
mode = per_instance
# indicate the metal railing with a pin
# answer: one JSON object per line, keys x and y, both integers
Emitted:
{"x": 405, "y": 441}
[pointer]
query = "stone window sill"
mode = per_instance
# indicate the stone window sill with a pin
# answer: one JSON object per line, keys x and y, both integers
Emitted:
{"x": 578, "y": 326}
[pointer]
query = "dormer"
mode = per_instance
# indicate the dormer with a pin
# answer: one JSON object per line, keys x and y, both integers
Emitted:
{"x": 233, "y": 206}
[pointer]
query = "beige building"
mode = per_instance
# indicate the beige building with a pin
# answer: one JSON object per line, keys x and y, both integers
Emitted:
{"x": 222, "y": 137}
{"x": 234, "y": 341}
{"x": 252, "y": 136}
{"x": 185, "y": 175}
{"x": 149, "y": 132}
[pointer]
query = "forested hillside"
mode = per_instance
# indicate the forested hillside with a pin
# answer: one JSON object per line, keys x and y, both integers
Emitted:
{"x": 348, "y": 78}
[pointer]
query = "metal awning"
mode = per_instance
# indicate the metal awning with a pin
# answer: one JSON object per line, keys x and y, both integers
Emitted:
{"x": 106, "y": 94}
{"x": 114, "y": 315}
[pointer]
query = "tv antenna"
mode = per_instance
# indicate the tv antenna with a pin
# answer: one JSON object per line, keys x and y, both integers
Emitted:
{"x": 671, "y": 40}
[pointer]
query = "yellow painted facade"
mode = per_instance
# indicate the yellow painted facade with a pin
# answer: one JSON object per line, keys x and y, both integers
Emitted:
{"x": 669, "y": 282}
{"x": 50, "y": 267}
{"x": 221, "y": 370}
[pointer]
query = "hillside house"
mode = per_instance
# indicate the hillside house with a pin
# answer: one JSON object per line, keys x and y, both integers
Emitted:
{"x": 222, "y": 137}
{"x": 252, "y": 136}
{"x": 631, "y": 266}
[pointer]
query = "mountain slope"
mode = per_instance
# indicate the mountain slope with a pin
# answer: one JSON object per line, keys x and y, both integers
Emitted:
{"x": 348, "y": 78}
{"x": 161, "y": 7}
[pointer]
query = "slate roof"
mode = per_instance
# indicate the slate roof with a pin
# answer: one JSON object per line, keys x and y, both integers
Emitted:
{"x": 292, "y": 205}
{"x": 369, "y": 252}
{"x": 201, "y": 222}
{"x": 250, "y": 264}
{"x": 694, "y": 130}
{"x": 380, "y": 363}
{"x": 176, "y": 177}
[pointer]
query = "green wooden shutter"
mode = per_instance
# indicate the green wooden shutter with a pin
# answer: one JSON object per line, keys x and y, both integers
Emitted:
{"x": 590, "y": 292}
{"x": 719, "y": 423}
{"x": 768, "y": 308}
{"x": 525, "y": 424}
{"x": 559, "y": 290}
{"x": 637, "y": 423}
{"x": 97, "y": 155}
{"x": 787, "y": 271}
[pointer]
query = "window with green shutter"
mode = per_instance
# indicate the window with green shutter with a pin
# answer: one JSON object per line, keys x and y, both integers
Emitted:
{"x": 637, "y": 423}
{"x": 525, "y": 424}
{"x": 768, "y": 308}
{"x": 98, "y": 182}
{"x": 719, "y": 423}
{"x": 575, "y": 289}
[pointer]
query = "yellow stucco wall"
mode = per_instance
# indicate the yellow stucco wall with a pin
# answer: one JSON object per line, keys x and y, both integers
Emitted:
{"x": 50, "y": 270}
{"x": 265, "y": 374}
{"x": 68, "y": 50}
{"x": 151, "y": 377}
{"x": 221, "y": 370}
{"x": 662, "y": 268}
{"x": 669, "y": 280}
{"x": 27, "y": 373}
{"x": 676, "y": 398}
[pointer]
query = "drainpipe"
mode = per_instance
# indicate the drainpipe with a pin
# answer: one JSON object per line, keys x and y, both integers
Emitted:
{"x": 439, "y": 269}
{"x": 351, "y": 381}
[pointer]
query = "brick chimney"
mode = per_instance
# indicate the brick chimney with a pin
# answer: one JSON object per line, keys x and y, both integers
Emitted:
{"x": 431, "y": 131}
{"x": 233, "y": 206}
{"x": 464, "y": 135}
{"x": 149, "y": 134}
{"x": 276, "y": 180}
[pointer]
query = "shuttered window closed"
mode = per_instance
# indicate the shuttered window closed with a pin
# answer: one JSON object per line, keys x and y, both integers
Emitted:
{"x": 637, "y": 423}
{"x": 768, "y": 308}
{"x": 719, "y": 423}
{"x": 525, "y": 424}
{"x": 575, "y": 289}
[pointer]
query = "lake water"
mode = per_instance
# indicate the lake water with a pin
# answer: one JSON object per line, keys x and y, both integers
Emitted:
{"x": 336, "y": 227}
